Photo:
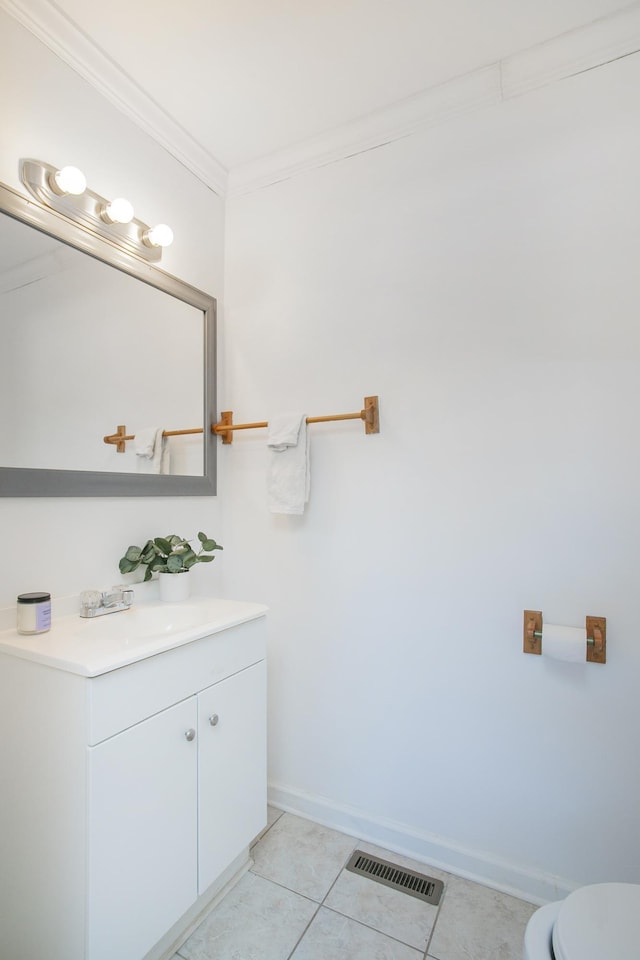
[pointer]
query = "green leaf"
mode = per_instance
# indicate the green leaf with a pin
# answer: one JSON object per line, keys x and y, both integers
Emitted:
{"x": 133, "y": 554}
{"x": 174, "y": 564}
{"x": 127, "y": 566}
{"x": 203, "y": 559}
{"x": 164, "y": 546}
{"x": 202, "y": 537}
{"x": 189, "y": 560}
{"x": 147, "y": 575}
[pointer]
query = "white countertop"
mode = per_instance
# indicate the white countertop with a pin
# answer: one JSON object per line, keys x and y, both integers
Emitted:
{"x": 90, "y": 647}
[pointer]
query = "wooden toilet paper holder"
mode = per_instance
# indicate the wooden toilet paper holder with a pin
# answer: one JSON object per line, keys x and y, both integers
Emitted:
{"x": 596, "y": 636}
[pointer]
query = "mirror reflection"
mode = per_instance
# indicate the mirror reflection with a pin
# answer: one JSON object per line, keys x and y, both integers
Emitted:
{"x": 86, "y": 346}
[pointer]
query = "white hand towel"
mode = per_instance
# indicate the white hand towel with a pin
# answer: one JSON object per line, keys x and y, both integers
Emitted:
{"x": 152, "y": 450}
{"x": 288, "y": 475}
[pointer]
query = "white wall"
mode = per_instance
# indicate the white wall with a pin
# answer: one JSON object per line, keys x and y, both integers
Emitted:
{"x": 51, "y": 114}
{"x": 481, "y": 278}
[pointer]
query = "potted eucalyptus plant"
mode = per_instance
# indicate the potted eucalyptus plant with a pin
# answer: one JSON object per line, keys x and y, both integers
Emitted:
{"x": 168, "y": 556}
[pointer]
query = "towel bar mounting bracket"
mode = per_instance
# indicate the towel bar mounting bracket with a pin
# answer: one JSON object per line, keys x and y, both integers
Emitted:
{"x": 119, "y": 438}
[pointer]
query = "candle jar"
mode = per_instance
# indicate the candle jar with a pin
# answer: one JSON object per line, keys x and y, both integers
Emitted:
{"x": 34, "y": 612}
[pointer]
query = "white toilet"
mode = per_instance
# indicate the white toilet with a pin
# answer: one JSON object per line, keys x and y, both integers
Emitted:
{"x": 598, "y": 922}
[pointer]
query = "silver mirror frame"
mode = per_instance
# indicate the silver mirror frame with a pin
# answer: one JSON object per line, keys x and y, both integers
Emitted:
{"x": 19, "y": 482}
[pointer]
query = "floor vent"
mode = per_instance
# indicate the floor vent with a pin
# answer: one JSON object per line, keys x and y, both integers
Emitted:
{"x": 391, "y": 875}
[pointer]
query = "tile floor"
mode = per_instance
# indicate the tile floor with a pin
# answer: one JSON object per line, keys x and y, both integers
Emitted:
{"x": 299, "y": 903}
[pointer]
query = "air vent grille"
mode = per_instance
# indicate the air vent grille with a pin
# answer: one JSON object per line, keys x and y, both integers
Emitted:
{"x": 391, "y": 875}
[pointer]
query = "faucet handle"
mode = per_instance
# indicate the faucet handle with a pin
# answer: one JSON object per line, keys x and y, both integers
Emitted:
{"x": 89, "y": 600}
{"x": 126, "y": 592}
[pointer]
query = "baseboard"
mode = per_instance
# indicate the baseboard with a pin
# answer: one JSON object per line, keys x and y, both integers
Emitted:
{"x": 514, "y": 879}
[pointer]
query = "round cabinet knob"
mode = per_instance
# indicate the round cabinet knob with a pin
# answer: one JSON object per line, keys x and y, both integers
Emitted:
{"x": 190, "y": 735}
{"x": 213, "y": 719}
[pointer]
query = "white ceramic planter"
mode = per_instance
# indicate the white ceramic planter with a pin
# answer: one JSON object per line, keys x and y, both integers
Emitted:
{"x": 174, "y": 586}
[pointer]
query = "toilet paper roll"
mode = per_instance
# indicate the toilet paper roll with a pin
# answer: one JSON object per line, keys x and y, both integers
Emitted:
{"x": 564, "y": 643}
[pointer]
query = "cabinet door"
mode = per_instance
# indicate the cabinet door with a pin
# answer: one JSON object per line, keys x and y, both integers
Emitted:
{"x": 232, "y": 789}
{"x": 142, "y": 833}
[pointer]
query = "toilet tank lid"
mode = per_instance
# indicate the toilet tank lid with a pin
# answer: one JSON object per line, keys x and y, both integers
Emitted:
{"x": 598, "y": 921}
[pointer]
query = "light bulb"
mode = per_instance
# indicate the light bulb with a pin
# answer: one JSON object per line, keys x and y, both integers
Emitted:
{"x": 158, "y": 236}
{"x": 68, "y": 180}
{"x": 117, "y": 211}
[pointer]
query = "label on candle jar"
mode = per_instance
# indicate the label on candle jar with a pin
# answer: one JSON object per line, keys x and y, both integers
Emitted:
{"x": 43, "y": 616}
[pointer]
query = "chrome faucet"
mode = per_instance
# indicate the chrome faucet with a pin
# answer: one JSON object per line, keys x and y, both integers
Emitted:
{"x": 97, "y": 603}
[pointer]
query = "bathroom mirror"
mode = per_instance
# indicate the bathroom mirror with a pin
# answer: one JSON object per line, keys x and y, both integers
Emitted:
{"x": 92, "y": 338}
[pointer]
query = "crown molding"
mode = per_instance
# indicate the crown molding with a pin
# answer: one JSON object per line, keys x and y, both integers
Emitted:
{"x": 574, "y": 52}
{"x": 406, "y": 117}
{"x": 67, "y": 41}
{"x": 593, "y": 45}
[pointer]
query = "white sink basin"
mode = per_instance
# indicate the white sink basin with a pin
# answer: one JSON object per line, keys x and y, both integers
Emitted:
{"x": 142, "y": 622}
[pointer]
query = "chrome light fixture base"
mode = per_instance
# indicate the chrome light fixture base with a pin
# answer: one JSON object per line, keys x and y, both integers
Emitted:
{"x": 87, "y": 209}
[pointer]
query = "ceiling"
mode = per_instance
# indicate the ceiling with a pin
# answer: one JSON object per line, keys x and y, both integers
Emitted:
{"x": 246, "y": 78}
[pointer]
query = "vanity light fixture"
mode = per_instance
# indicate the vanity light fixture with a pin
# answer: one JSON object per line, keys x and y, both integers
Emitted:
{"x": 65, "y": 190}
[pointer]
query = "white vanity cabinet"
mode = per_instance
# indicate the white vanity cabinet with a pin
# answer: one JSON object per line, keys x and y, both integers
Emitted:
{"x": 126, "y": 796}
